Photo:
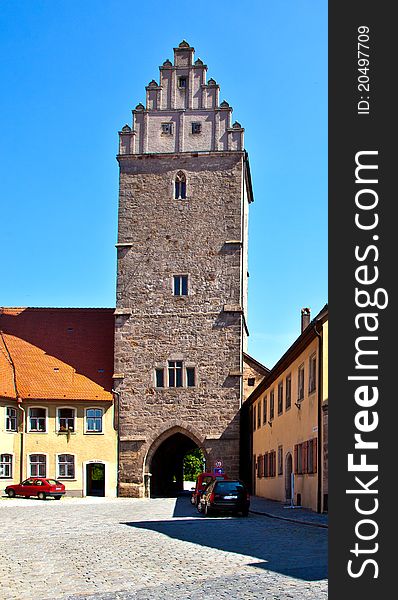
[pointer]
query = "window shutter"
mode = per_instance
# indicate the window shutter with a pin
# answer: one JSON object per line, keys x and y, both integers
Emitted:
{"x": 296, "y": 458}
{"x": 315, "y": 454}
{"x": 306, "y": 448}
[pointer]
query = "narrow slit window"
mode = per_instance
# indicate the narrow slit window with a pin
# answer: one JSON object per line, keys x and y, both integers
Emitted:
{"x": 190, "y": 377}
{"x": 159, "y": 378}
{"x": 180, "y": 186}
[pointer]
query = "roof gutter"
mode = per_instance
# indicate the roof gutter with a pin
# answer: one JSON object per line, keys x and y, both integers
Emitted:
{"x": 320, "y": 432}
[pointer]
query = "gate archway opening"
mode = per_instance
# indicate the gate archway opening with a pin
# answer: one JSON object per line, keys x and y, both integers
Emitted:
{"x": 167, "y": 464}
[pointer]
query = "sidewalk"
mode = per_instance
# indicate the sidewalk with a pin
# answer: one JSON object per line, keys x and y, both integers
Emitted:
{"x": 277, "y": 510}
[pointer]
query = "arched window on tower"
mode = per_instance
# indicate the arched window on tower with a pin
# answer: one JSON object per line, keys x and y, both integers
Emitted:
{"x": 180, "y": 186}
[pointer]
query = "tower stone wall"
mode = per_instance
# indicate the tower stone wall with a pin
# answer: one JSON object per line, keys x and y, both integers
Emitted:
{"x": 202, "y": 235}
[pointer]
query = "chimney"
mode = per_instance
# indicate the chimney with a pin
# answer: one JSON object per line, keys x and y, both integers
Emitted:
{"x": 305, "y": 318}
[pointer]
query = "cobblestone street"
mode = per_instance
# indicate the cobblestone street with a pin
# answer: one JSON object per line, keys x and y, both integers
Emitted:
{"x": 154, "y": 549}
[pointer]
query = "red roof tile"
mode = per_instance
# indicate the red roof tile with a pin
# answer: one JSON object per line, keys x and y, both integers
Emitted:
{"x": 57, "y": 353}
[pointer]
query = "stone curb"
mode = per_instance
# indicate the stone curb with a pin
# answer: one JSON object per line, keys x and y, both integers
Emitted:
{"x": 265, "y": 514}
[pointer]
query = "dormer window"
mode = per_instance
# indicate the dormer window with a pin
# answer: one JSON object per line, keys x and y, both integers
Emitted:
{"x": 180, "y": 185}
{"x": 196, "y": 127}
{"x": 182, "y": 82}
{"x": 167, "y": 128}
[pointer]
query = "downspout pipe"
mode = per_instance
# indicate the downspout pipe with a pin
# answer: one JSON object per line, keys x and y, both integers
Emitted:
{"x": 117, "y": 427}
{"x": 320, "y": 431}
{"x": 22, "y": 439}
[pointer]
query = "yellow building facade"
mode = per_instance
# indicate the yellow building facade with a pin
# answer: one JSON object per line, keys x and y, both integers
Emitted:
{"x": 288, "y": 422}
{"x": 57, "y": 410}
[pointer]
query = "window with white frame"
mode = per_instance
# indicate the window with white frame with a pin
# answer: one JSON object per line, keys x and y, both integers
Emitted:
{"x": 312, "y": 374}
{"x": 178, "y": 374}
{"x": 37, "y": 419}
{"x": 66, "y": 466}
{"x": 6, "y": 466}
{"x": 37, "y": 465}
{"x": 175, "y": 373}
{"x": 180, "y": 285}
{"x": 94, "y": 420}
{"x": 11, "y": 418}
{"x": 66, "y": 419}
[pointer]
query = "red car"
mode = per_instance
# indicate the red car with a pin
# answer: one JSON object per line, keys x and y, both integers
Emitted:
{"x": 202, "y": 481}
{"x": 37, "y": 486}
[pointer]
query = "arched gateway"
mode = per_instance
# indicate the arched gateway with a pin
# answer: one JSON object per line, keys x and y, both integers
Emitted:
{"x": 180, "y": 321}
{"x": 164, "y": 461}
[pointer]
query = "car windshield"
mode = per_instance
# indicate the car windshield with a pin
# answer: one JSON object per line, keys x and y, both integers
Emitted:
{"x": 229, "y": 486}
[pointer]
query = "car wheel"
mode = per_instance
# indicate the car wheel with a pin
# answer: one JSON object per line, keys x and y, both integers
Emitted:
{"x": 11, "y": 493}
{"x": 57, "y": 497}
{"x": 41, "y": 496}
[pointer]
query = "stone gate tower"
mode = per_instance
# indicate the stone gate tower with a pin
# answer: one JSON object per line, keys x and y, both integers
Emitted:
{"x": 180, "y": 321}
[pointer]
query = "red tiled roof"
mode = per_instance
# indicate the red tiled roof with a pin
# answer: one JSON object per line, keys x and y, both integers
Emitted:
{"x": 56, "y": 353}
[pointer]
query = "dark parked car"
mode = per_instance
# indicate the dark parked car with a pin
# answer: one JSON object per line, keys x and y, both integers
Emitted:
{"x": 229, "y": 496}
{"x": 202, "y": 481}
{"x": 37, "y": 486}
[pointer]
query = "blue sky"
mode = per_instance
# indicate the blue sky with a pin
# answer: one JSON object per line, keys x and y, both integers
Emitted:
{"x": 71, "y": 73}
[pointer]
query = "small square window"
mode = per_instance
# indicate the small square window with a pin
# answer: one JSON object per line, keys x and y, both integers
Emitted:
{"x": 180, "y": 286}
{"x": 167, "y": 128}
{"x": 251, "y": 381}
{"x": 182, "y": 82}
{"x": 196, "y": 127}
